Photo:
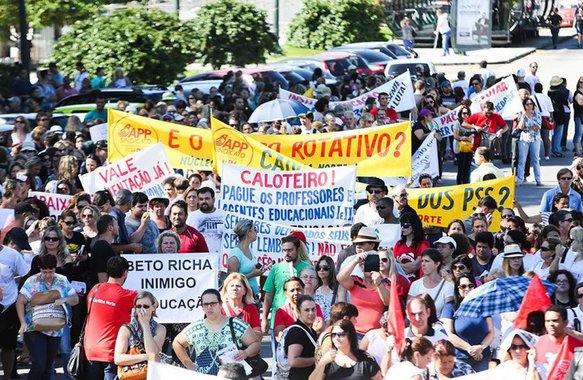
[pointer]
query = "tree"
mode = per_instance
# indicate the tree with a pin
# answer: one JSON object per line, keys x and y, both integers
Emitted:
{"x": 232, "y": 32}
{"x": 151, "y": 46}
{"x": 323, "y": 24}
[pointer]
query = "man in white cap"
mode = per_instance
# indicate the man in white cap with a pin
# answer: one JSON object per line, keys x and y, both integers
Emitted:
{"x": 520, "y": 82}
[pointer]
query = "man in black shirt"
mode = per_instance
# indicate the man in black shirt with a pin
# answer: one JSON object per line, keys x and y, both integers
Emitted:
{"x": 101, "y": 251}
{"x": 555, "y": 21}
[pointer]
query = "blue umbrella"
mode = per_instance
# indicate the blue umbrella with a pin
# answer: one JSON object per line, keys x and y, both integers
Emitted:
{"x": 499, "y": 296}
{"x": 278, "y": 109}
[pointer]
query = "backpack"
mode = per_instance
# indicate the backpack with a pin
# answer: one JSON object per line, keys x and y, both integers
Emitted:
{"x": 283, "y": 366}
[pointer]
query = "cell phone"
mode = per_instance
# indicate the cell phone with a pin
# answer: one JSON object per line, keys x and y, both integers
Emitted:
{"x": 258, "y": 265}
{"x": 372, "y": 263}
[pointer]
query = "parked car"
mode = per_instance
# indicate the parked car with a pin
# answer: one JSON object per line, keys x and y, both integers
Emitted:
{"x": 391, "y": 49}
{"x": 250, "y": 76}
{"x": 304, "y": 72}
{"x": 337, "y": 63}
{"x": 375, "y": 59}
{"x": 83, "y": 103}
{"x": 399, "y": 66}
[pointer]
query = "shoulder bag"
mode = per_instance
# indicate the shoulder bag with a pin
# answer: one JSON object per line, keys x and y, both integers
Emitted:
{"x": 259, "y": 365}
{"x": 137, "y": 371}
{"x": 78, "y": 361}
{"x": 547, "y": 121}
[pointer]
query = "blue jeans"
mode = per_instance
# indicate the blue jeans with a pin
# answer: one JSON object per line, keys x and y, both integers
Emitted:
{"x": 408, "y": 44}
{"x": 100, "y": 371}
{"x": 578, "y": 130}
{"x": 445, "y": 42}
{"x": 524, "y": 148}
{"x": 43, "y": 350}
{"x": 556, "y": 139}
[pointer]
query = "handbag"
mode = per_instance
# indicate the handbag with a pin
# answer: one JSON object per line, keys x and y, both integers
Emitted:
{"x": 77, "y": 361}
{"x": 465, "y": 146}
{"x": 547, "y": 121}
{"x": 259, "y": 365}
{"x": 137, "y": 371}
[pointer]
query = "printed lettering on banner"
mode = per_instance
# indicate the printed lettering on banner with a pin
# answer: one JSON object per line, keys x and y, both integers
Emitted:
{"x": 142, "y": 171}
{"x": 56, "y": 203}
{"x": 186, "y": 147}
{"x": 425, "y": 161}
{"x": 177, "y": 280}
{"x": 444, "y": 124}
{"x": 504, "y": 95}
{"x": 437, "y": 206}
{"x": 381, "y": 151}
{"x": 267, "y": 247}
{"x": 400, "y": 90}
{"x": 306, "y": 198}
{"x": 98, "y": 132}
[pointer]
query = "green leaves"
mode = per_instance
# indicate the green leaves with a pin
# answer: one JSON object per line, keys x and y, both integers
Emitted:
{"x": 229, "y": 32}
{"x": 323, "y": 24}
{"x": 151, "y": 46}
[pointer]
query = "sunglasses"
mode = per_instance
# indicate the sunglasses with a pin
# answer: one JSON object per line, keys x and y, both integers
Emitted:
{"x": 579, "y": 167}
{"x": 322, "y": 267}
{"x": 375, "y": 191}
{"x": 508, "y": 216}
{"x": 579, "y": 295}
{"x": 568, "y": 220}
{"x": 48, "y": 238}
{"x": 88, "y": 215}
{"x": 138, "y": 306}
{"x": 19, "y": 121}
{"x": 518, "y": 347}
{"x": 210, "y": 304}
{"x": 339, "y": 334}
{"x": 459, "y": 267}
{"x": 545, "y": 249}
{"x": 566, "y": 178}
{"x": 384, "y": 260}
{"x": 381, "y": 207}
{"x": 69, "y": 223}
{"x": 405, "y": 225}
{"x": 466, "y": 286}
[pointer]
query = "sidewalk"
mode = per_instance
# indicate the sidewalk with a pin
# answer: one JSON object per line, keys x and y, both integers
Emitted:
{"x": 496, "y": 55}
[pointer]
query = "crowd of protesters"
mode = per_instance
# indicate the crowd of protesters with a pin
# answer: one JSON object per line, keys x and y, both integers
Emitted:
{"x": 330, "y": 318}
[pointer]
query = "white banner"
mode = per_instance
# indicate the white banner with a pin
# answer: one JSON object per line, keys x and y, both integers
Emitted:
{"x": 176, "y": 279}
{"x": 267, "y": 247}
{"x": 98, "y": 132}
{"x": 504, "y": 95}
{"x": 142, "y": 171}
{"x": 161, "y": 371}
{"x": 56, "y": 203}
{"x": 400, "y": 90}
{"x": 388, "y": 234}
{"x": 307, "y": 198}
{"x": 445, "y": 123}
{"x": 424, "y": 161}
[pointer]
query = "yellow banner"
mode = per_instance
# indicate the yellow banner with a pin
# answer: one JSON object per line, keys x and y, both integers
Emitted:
{"x": 186, "y": 147}
{"x": 234, "y": 147}
{"x": 383, "y": 151}
{"x": 440, "y": 205}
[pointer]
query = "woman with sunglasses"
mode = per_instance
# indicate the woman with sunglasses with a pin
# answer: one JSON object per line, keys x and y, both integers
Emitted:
{"x": 563, "y": 220}
{"x": 20, "y": 132}
{"x": 327, "y": 293}
{"x": 408, "y": 249}
{"x": 432, "y": 283}
{"x": 464, "y": 136}
{"x": 461, "y": 265}
{"x": 142, "y": 332}
{"x": 550, "y": 252}
{"x": 211, "y": 334}
{"x": 529, "y": 123}
{"x": 518, "y": 357}
{"x": 74, "y": 239}
{"x": 470, "y": 336}
{"x": 566, "y": 292}
{"x": 346, "y": 360}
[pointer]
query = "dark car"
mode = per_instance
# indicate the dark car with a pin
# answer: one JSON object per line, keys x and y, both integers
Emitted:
{"x": 112, "y": 95}
{"x": 389, "y": 48}
{"x": 336, "y": 62}
{"x": 375, "y": 59}
{"x": 205, "y": 81}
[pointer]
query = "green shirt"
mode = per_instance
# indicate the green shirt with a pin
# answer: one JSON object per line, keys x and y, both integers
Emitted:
{"x": 278, "y": 274}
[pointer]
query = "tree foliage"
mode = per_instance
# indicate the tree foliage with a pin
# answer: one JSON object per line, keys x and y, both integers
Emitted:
{"x": 151, "y": 46}
{"x": 323, "y": 24}
{"x": 232, "y": 32}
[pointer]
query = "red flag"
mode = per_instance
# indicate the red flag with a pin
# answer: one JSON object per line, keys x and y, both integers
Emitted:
{"x": 563, "y": 359}
{"x": 535, "y": 299}
{"x": 396, "y": 320}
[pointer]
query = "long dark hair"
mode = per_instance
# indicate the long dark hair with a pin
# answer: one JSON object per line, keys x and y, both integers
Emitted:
{"x": 331, "y": 273}
{"x": 420, "y": 344}
{"x": 418, "y": 235}
{"x": 456, "y": 292}
{"x": 348, "y": 327}
{"x": 572, "y": 284}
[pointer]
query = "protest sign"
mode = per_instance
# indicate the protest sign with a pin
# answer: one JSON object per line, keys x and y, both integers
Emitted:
{"x": 177, "y": 280}
{"x": 161, "y": 371}
{"x": 504, "y": 95}
{"x": 56, "y": 203}
{"x": 234, "y": 147}
{"x": 438, "y": 206}
{"x": 388, "y": 234}
{"x": 444, "y": 124}
{"x": 383, "y": 151}
{"x": 98, "y": 132}
{"x": 267, "y": 247}
{"x": 310, "y": 197}
{"x": 143, "y": 171}
{"x": 186, "y": 147}
{"x": 399, "y": 89}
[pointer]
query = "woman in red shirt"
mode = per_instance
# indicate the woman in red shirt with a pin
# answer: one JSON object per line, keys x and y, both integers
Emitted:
{"x": 407, "y": 251}
{"x": 238, "y": 301}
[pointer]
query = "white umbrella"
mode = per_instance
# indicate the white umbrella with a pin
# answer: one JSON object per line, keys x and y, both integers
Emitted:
{"x": 278, "y": 109}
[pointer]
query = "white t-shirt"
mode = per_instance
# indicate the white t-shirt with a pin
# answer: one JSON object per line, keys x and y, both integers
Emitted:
{"x": 211, "y": 225}
{"x": 508, "y": 370}
{"x": 546, "y": 104}
{"x": 367, "y": 215}
{"x": 544, "y": 273}
{"x": 12, "y": 264}
{"x": 403, "y": 370}
{"x": 446, "y": 292}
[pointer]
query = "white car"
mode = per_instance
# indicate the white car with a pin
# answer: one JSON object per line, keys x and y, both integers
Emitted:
{"x": 397, "y": 67}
